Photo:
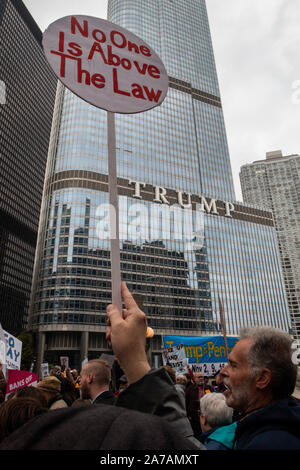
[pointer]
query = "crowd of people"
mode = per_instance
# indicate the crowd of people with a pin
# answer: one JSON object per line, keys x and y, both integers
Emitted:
{"x": 251, "y": 404}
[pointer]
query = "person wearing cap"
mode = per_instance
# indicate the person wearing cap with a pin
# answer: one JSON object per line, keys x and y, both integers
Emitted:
{"x": 51, "y": 388}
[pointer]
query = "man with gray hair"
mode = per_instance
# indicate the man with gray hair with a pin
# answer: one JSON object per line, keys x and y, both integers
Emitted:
{"x": 260, "y": 378}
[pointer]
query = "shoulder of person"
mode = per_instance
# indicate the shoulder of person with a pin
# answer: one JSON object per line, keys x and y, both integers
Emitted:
{"x": 273, "y": 440}
{"x": 60, "y": 403}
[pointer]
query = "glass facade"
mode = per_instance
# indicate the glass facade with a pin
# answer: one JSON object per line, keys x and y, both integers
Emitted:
{"x": 245, "y": 272}
{"x": 26, "y": 111}
{"x": 180, "y": 146}
{"x": 274, "y": 183}
{"x": 194, "y": 148}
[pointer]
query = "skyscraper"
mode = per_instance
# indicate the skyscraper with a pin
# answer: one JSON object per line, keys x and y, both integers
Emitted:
{"x": 175, "y": 155}
{"x": 26, "y": 107}
{"x": 274, "y": 183}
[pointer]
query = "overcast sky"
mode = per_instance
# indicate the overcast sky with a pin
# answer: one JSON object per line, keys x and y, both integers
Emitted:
{"x": 257, "y": 50}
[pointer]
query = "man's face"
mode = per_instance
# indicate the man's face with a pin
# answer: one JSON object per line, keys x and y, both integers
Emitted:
{"x": 198, "y": 378}
{"x": 180, "y": 379}
{"x": 240, "y": 387}
{"x": 84, "y": 383}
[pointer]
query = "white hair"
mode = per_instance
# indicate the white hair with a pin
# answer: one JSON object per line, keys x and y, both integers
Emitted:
{"x": 214, "y": 407}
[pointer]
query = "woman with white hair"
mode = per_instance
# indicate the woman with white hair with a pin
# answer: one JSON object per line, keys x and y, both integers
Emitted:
{"x": 216, "y": 422}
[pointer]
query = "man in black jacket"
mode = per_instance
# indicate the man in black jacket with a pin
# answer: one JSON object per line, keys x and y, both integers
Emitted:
{"x": 94, "y": 382}
{"x": 260, "y": 378}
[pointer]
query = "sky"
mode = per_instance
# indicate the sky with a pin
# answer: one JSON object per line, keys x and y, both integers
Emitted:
{"x": 257, "y": 52}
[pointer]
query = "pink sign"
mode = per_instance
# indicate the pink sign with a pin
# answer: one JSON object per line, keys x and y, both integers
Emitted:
{"x": 105, "y": 64}
{"x": 18, "y": 379}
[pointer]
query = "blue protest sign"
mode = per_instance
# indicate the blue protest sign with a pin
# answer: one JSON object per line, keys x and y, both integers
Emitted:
{"x": 202, "y": 349}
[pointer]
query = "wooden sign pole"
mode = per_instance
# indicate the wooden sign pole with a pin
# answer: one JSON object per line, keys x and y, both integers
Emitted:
{"x": 223, "y": 326}
{"x": 113, "y": 212}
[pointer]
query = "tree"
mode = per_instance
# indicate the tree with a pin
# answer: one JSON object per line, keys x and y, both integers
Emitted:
{"x": 27, "y": 349}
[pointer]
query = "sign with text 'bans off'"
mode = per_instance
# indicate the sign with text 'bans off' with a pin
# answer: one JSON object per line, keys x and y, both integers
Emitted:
{"x": 19, "y": 379}
{"x": 105, "y": 64}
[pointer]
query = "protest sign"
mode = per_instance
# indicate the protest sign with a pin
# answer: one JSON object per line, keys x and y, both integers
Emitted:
{"x": 13, "y": 351}
{"x": 19, "y": 378}
{"x": 44, "y": 370}
{"x": 176, "y": 357}
{"x": 64, "y": 361}
{"x": 105, "y": 64}
{"x": 109, "y": 358}
{"x": 112, "y": 69}
{"x": 83, "y": 363}
{"x": 206, "y": 354}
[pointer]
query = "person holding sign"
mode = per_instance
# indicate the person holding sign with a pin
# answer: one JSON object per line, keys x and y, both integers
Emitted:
{"x": 153, "y": 391}
{"x": 148, "y": 393}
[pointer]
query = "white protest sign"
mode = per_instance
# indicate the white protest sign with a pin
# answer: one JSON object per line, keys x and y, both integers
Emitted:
{"x": 105, "y": 64}
{"x": 112, "y": 69}
{"x": 208, "y": 369}
{"x": 64, "y": 361}
{"x": 176, "y": 357}
{"x": 109, "y": 358}
{"x": 13, "y": 351}
{"x": 44, "y": 369}
{"x": 84, "y": 362}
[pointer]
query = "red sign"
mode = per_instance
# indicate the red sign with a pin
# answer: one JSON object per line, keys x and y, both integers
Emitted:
{"x": 18, "y": 379}
{"x": 105, "y": 64}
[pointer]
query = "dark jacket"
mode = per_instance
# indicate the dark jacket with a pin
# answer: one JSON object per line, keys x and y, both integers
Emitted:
{"x": 192, "y": 399}
{"x": 105, "y": 398}
{"x": 192, "y": 402}
{"x": 155, "y": 393}
{"x": 109, "y": 427}
{"x": 273, "y": 427}
{"x": 100, "y": 427}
